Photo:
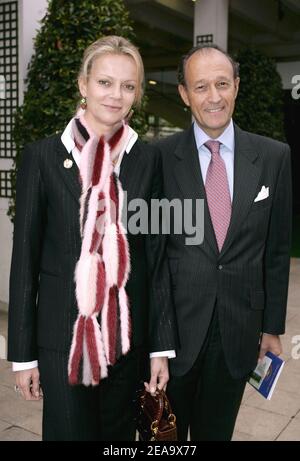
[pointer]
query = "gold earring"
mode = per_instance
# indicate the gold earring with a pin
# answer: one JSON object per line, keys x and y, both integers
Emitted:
{"x": 83, "y": 103}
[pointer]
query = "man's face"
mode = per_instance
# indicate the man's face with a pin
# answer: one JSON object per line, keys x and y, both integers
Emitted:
{"x": 210, "y": 90}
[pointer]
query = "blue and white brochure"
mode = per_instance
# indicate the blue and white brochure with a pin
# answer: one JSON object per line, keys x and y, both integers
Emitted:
{"x": 266, "y": 374}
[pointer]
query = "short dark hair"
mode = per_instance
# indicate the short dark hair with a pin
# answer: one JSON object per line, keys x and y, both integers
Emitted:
{"x": 184, "y": 59}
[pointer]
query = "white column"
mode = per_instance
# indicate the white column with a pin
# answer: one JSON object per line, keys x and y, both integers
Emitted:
{"x": 30, "y": 13}
{"x": 211, "y": 18}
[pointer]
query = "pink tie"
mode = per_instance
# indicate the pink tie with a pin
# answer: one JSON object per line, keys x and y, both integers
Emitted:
{"x": 217, "y": 192}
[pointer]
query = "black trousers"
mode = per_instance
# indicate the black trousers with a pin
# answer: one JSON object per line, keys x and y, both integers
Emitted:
{"x": 207, "y": 398}
{"x": 80, "y": 413}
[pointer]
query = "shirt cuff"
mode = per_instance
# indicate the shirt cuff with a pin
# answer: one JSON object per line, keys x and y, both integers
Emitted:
{"x": 169, "y": 354}
{"x": 21, "y": 366}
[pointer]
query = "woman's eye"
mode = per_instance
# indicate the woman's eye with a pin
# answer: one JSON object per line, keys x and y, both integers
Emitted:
{"x": 104, "y": 82}
{"x": 129, "y": 87}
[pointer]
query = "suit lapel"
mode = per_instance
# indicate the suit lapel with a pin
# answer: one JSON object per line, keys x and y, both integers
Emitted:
{"x": 246, "y": 178}
{"x": 188, "y": 175}
{"x": 69, "y": 175}
{"x": 130, "y": 170}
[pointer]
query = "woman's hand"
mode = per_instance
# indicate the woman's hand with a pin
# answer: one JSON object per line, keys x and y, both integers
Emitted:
{"x": 28, "y": 383}
{"x": 159, "y": 375}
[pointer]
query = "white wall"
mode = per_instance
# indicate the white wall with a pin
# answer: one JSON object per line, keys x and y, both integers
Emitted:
{"x": 29, "y": 12}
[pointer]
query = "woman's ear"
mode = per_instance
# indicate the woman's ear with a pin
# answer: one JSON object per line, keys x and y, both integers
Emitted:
{"x": 82, "y": 86}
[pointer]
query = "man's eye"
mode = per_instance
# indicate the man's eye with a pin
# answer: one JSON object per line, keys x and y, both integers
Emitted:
{"x": 200, "y": 88}
{"x": 223, "y": 84}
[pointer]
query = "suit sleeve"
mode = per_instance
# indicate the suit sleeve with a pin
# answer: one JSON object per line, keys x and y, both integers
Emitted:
{"x": 162, "y": 325}
{"x": 24, "y": 275}
{"x": 277, "y": 253}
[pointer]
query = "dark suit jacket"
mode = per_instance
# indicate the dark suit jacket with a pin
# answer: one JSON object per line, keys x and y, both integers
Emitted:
{"x": 47, "y": 243}
{"x": 248, "y": 280}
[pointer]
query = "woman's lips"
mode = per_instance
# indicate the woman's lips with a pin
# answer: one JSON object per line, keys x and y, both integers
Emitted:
{"x": 112, "y": 108}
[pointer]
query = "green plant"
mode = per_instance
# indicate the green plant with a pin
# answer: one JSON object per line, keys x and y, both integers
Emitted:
{"x": 259, "y": 106}
{"x": 52, "y": 94}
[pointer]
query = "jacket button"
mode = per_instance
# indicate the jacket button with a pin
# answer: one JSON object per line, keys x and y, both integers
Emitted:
{"x": 220, "y": 267}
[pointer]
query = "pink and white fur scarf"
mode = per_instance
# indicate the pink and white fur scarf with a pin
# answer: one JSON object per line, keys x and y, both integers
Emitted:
{"x": 102, "y": 330}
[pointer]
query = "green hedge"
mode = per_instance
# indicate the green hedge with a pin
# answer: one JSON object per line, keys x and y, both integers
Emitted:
{"x": 259, "y": 106}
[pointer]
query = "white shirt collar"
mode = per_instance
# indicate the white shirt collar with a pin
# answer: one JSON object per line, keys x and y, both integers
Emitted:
{"x": 68, "y": 139}
{"x": 131, "y": 140}
{"x": 226, "y": 138}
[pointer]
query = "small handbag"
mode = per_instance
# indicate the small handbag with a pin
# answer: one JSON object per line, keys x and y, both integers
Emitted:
{"x": 155, "y": 420}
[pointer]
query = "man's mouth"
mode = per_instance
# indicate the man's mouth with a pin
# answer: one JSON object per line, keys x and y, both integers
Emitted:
{"x": 212, "y": 111}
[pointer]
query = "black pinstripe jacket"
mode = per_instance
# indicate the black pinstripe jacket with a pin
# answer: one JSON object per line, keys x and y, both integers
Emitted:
{"x": 249, "y": 278}
{"x": 46, "y": 247}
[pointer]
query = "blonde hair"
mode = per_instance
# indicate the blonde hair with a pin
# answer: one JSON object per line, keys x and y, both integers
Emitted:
{"x": 113, "y": 44}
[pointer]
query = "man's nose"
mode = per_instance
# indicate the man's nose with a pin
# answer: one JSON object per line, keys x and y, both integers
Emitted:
{"x": 214, "y": 95}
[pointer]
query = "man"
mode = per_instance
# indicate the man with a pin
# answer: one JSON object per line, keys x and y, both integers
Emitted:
{"x": 230, "y": 291}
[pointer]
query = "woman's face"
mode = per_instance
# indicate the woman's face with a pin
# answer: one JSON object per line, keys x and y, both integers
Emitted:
{"x": 110, "y": 91}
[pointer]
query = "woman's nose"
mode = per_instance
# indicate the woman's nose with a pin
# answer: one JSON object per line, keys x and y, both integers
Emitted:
{"x": 116, "y": 91}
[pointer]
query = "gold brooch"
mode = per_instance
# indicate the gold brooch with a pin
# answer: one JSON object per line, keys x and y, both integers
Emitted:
{"x": 68, "y": 163}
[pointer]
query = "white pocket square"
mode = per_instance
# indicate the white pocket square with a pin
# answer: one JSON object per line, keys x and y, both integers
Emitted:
{"x": 263, "y": 194}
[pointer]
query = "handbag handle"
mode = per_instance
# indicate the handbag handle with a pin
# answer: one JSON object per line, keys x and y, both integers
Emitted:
{"x": 168, "y": 408}
{"x": 159, "y": 398}
{"x": 158, "y": 411}
{"x": 164, "y": 404}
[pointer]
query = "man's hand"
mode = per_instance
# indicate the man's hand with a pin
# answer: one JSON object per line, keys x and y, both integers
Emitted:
{"x": 28, "y": 381}
{"x": 159, "y": 375}
{"x": 270, "y": 343}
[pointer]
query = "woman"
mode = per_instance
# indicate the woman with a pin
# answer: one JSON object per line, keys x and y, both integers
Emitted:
{"x": 83, "y": 292}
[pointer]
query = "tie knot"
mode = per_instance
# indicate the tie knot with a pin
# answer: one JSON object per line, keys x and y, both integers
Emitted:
{"x": 213, "y": 146}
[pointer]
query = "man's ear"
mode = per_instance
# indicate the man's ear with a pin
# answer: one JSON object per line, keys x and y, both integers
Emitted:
{"x": 82, "y": 86}
{"x": 236, "y": 85}
{"x": 183, "y": 94}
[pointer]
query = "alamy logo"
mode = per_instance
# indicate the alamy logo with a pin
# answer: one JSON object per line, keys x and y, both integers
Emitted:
{"x": 159, "y": 216}
{"x": 296, "y": 88}
{"x": 296, "y": 349}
